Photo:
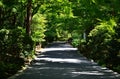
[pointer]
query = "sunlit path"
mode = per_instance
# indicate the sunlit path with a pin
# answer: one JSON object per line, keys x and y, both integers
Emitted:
{"x": 60, "y": 61}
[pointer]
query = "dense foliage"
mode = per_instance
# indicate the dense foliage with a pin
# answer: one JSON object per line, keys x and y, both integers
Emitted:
{"x": 93, "y": 26}
{"x": 100, "y": 24}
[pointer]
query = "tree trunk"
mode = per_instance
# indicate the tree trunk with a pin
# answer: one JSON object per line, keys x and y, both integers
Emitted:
{"x": 0, "y": 16}
{"x": 29, "y": 17}
{"x": 14, "y": 19}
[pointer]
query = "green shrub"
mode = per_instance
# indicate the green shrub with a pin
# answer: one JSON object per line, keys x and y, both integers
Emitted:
{"x": 75, "y": 42}
{"x": 75, "y": 39}
{"x": 14, "y": 44}
{"x": 38, "y": 28}
{"x": 8, "y": 69}
{"x": 103, "y": 44}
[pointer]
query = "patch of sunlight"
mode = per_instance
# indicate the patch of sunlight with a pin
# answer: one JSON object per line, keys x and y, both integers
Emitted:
{"x": 57, "y": 49}
{"x": 106, "y": 70}
{"x": 62, "y": 60}
{"x": 102, "y": 68}
{"x": 40, "y": 63}
{"x": 88, "y": 73}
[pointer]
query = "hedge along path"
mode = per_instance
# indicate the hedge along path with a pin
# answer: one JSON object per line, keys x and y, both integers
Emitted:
{"x": 60, "y": 60}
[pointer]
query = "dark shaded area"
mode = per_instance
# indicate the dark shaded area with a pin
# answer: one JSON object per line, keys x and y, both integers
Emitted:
{"x": 63, "y": 62}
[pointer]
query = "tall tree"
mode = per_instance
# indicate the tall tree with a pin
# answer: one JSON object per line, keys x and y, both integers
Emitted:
{"x": 29, "y": 17}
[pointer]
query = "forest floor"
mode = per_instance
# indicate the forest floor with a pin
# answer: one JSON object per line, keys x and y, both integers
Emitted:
{"x": 60, "y": 60}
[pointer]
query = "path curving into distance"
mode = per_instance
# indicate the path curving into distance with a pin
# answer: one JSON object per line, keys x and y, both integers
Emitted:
{"x": 60, "y": 60}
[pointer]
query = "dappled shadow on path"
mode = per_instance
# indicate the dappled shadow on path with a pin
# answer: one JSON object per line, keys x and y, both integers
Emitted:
{"x": 56, "y": 62}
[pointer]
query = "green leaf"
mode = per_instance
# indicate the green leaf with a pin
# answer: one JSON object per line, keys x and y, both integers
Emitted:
{"x": 14, "y": 10}
{"x": 1, "y": 4}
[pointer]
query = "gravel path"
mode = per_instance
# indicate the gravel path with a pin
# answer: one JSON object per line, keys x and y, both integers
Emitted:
{"x": 60, "y": 61}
